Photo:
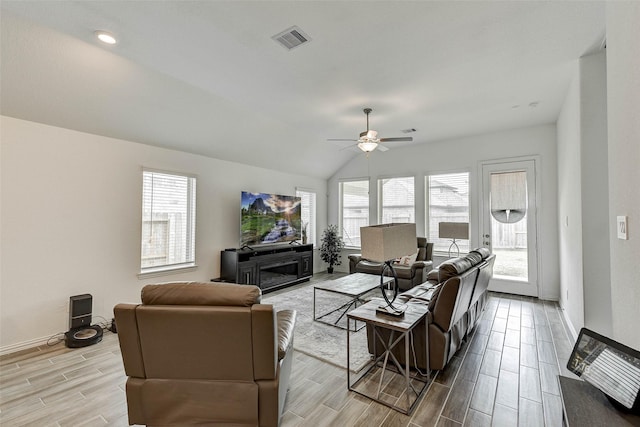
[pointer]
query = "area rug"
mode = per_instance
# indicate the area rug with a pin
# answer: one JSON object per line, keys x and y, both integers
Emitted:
{"x": 317, "y": 339}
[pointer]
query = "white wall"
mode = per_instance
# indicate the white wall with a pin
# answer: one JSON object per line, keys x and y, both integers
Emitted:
{"x": 583, "y": 199}
{"x": 570, "y": 206}
{"x": 623, "y": 103}
{"x": 465, "y": 154}
{"x": 70, "y": 221}
{"x": 595, "y": 193}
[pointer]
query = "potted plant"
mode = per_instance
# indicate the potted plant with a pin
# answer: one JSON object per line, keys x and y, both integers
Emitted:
{"x": 331, "y": 247}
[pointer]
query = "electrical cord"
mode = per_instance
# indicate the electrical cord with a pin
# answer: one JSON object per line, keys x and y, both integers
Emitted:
{"x": 106, "y": 325}
{"x": 59, "y": 336}
{"x": 415, "y": 359}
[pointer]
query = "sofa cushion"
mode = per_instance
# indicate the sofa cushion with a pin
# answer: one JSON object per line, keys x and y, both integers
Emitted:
{"x": 452, "y": 268}
{"x": 474, "y": 258}
{"x": 193, "y": 293}
{"x": 484, "y": 252}
{"x": 433, "y": 276}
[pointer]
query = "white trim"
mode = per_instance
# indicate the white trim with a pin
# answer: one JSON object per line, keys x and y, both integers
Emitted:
{"x": 163, "y": 271}
{"x": 570, "y": 326}
{"x": 169, "y": 172}
{"x": 25, "y": 345}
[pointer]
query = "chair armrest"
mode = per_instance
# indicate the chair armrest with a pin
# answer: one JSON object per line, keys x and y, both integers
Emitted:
{"x": 420, "y": 268}
{"x": 418, "y": 264}
{"x": 286, "y": 320}
{"x": 354, "y": 259}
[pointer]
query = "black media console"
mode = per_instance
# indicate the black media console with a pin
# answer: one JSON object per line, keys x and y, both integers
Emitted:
{"x": 268, "y": 267}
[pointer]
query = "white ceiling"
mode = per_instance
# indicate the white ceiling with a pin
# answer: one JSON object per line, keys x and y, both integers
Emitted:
{"x": 206, "y": 77}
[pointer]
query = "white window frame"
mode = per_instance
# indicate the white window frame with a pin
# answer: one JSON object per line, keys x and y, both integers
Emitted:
{"x": 188, "y": 240}
{"x": 349, "y": 239}
{"x": 308, "y": 198}
{"x": 381, "y": 207}
{"x": 465, "y": 247}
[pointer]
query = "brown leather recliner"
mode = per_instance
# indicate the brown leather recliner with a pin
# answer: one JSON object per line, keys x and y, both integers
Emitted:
{"x": 408, "y": 276}
{"x": 201, "y": 353}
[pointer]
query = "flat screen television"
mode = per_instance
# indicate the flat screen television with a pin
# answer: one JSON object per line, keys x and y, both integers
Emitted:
{"x": 269, "y": 218}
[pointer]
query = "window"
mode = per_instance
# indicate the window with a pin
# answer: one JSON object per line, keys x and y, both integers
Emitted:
{"x": 354, "y": 210}
{"x": 397, "y": 200}
{"x": 447, "y": 201}
{"x": 168, "y": 221}
{"x": 308, "y": 213}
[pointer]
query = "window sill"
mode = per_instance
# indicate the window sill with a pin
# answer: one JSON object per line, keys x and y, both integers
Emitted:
{"x": 164, "y": 271}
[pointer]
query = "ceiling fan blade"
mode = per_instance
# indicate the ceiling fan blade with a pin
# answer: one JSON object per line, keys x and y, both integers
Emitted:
{"x": 349, "y": 140}
{"x": 351, "y": 147}
{"x": 381, "y": 147}
{"x": 404, "y": 138}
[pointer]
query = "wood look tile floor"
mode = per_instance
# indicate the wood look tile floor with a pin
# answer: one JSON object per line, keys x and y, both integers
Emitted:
{"x": 505, "y": 375}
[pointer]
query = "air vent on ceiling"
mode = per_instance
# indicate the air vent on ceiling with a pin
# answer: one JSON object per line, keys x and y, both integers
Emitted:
{"x": 410, "y": 130}
{"x": 292, "y": 38}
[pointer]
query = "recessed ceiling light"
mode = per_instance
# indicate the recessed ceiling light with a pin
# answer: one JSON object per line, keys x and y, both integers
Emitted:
{"x": 105, "y": 37}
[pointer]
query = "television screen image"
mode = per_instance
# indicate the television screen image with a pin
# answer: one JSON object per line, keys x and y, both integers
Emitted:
{"x": 269, "y": 218}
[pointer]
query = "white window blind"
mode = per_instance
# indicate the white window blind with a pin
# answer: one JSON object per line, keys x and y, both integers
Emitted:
{"x": 397, "y": 200}
{"x": 308, "y": 213}
{"x": 354, "y": 203}
{"x": 168, "y": 221}
{"x": 448, "y": 201}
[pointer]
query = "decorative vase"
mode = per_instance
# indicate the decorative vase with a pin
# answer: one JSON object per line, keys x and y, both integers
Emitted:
{"x": 330, "y": 270}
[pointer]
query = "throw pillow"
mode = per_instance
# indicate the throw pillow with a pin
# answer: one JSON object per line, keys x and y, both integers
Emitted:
{"x": 407, "y": 260}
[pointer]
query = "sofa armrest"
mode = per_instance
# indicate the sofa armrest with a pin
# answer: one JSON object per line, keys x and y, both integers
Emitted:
{"x": 286, "y": 323}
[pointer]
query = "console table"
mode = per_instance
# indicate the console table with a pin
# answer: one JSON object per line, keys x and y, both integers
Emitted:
{"x": 401, "y": 328}
{"x": 268, "y": 267}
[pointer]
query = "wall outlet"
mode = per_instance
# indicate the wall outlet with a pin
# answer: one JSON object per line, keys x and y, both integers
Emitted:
{"x": 621, "y": 227}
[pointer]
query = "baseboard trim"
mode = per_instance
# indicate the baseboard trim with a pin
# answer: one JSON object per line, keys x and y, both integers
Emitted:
{"x": 570, "y": 327}
{"x": 25, "y": 345}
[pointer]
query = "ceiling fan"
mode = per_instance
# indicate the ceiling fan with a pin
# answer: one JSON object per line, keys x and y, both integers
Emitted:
{"x": 369, "y": 140}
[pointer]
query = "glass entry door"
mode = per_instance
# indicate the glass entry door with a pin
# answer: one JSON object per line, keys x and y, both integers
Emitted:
{"x": 509, "y": 225}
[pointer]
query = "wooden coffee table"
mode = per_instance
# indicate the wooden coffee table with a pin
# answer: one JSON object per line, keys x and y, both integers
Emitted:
{"x": 353, "y": 286}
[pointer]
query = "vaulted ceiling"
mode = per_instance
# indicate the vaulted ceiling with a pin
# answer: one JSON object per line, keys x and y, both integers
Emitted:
{"x": 206, "y": 77}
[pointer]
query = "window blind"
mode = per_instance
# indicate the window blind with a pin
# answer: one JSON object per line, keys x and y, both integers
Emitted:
{"x": 308, "y": 213}
{"x": 168, "y": 221}
{"x": 448, "y": 201}
{"x": 354, "y": 202}
{"x": 397, "y": 200}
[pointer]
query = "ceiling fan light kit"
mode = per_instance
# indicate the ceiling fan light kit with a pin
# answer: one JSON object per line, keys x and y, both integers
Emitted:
{"x": 367, "y": 146}
{"x": 369, "y": 140}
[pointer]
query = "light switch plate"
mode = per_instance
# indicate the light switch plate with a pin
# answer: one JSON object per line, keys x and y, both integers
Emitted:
{"x": 622, "y": 227}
